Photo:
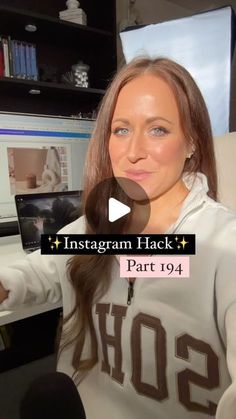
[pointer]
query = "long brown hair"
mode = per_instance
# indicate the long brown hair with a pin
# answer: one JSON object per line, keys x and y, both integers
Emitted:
{"x": 90, "y": 274}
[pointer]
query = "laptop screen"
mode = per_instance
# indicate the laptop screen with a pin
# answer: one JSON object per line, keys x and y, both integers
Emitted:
{"x": 45, "y": 213}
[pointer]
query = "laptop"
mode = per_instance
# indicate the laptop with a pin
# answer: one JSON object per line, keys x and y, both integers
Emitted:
{"x": 45, "y": 213}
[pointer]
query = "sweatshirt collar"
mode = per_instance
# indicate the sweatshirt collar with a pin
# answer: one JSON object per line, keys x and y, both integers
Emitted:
{"x": 198, "y": 188}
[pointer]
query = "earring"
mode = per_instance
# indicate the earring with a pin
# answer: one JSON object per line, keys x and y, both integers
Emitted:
{"x": 193, "y": 148}
{"x": 190, "y": 155}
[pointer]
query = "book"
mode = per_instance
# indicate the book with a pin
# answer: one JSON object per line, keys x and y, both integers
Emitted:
{"x": 33, "y": 62}
{"x": 76, "y": 16}
{"x": 16, "y": 58}
{"x": 10, "y": 56}
{"x": 6, "y": 57}
{"x": 69, "y": 13}
{"x": 81, "y": 20}
{"x": 29, "y": 74}
{"x": 22, "y": 60}
{"x": 13, "y": 58}
{"x": 1, "y": 59}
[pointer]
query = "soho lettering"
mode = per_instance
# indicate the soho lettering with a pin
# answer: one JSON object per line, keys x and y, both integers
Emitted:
{"x": 184, "y": 343}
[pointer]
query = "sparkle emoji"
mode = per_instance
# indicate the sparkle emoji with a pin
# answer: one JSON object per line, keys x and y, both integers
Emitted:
{"x": 57, "y": 243}
{"x": 183, "y": 242}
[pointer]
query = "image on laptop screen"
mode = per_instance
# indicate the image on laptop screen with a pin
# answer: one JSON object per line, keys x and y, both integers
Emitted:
{"x": 45, "y": 213}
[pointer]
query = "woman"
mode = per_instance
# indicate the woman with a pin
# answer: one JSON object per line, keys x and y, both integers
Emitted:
{"x": 162, "y": 356}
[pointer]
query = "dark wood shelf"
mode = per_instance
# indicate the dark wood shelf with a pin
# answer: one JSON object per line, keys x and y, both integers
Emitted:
{"x": 49, "y": 29}
{"x": 9, "y": 228}
{"x": 59, "y": 46}
{"x": 54, "y": 98}
{"x": 30, "y": 339}
{"x": 23, "y": 86}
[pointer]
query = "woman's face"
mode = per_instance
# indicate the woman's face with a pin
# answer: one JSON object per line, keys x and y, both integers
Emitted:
{"x": 147, "y": 144}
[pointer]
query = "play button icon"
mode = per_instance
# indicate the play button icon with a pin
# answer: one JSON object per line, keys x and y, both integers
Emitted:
{"x": 117, "y": 206}
{"x": 116, "y": 210}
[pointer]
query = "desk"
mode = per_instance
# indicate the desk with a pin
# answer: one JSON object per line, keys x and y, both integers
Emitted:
{"x": 11, "y": 249}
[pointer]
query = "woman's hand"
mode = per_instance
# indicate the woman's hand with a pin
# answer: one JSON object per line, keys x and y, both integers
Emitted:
{"x": 39, "y": 224}
{"x": 3, "y": 293}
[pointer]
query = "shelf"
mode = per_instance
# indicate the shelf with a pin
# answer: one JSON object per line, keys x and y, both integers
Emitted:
{"x": 59, "y": 45}
{"x": 29, "y": 339}
{"x": 49, "y": 29}
{"x": 21, "y": 86}
{"x": 26, "y": 311}
{"x": 8, "y": 228}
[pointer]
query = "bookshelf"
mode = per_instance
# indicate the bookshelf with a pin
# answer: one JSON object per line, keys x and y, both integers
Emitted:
{"x": 60, "y": 44}
{"x": 52, "y": 97}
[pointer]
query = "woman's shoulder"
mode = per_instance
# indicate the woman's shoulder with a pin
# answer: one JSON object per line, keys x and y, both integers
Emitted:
{"x": 76, "y": 227}
{"x": 220, "y": 213}
{"x": 220, "y": 207}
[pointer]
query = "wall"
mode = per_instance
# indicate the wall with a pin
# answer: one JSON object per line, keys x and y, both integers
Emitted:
{"x": 160, "y": 10}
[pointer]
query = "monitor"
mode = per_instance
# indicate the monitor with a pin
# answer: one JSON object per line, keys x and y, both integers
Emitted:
{"x": 40, "y": 154}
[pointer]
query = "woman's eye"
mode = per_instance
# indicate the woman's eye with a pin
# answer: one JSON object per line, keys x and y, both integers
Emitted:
{"x": 120, "y": 131}
{"x": 159, "y": 131}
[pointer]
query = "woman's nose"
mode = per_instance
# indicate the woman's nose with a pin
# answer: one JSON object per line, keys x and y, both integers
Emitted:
{"x": 136, "y": 149}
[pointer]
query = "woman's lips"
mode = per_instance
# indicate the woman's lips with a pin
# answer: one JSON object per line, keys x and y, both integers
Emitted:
{"x": 137, "y": 174}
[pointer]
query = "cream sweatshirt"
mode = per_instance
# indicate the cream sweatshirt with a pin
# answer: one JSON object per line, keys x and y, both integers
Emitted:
{"x": 172, "y": 352}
